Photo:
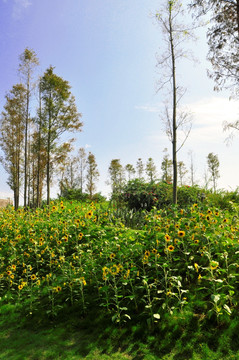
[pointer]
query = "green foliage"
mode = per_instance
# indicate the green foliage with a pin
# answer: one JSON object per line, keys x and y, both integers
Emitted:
{"x": 139, "y": 195}
{"x": 224, "y": 199}
{"x": 177, "y": 271}
{"x": 77, "y": 194}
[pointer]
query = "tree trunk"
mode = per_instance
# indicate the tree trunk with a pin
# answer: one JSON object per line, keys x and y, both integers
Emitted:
{"x": 39, "y": 152}
{"x": 174, "y": 122}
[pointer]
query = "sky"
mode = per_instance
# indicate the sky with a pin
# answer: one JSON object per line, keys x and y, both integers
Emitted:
{"x": 108, "y": 50}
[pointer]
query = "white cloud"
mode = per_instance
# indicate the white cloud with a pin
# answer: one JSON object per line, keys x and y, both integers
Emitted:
{"x": 150, "y": 108}
{"x": 87, "y": 146}
{"x": 18, "y": 7}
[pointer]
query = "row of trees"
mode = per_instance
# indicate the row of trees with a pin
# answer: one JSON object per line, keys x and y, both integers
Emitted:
{"x": 30, "y": 140}
{"x": 119, "y": 174}
{"x": 79, "y": 172}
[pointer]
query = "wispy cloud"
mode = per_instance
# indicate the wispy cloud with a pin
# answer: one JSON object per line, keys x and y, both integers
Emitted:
{"x": 19, "y": 6}
{"x": 150, "y": 108}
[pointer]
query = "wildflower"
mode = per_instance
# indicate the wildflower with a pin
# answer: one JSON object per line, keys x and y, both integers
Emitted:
{"x": 13, "y": 267}
{"x": 145, "y": 260}
{"x": 195, "y": 205}
{"x": 199, "y": 277}
{"x": 33, "y": 277}
{"x": 20, "y": 287}
{"x": 196, "y": 241}
{"x": 80, "y": 235}
{"x": 154, "y": 251}
{"x": 181, "y": 233}
{"x": 209, "y": 212}
{"x": 170, "y": 248}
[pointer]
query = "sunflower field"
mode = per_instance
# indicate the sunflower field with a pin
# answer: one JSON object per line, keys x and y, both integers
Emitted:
{"x": 71, "y": 254}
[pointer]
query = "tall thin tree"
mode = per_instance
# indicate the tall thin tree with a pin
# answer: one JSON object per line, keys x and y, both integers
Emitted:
{"x": 175, "y": 32}
{"x": 28, "y": 63}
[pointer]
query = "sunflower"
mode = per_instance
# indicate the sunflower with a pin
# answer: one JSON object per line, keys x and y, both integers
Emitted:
{"x": 114, "y": 270}
{"x": 33, "y": 277}
{"x": 147, "y": 253}
{"x": 127, "y": 274}
{"x": 82, "y": 280}
{"x": 112, "y": 256}
{"x": 89, "y": 214}
{"x": 196, "y": 267}
{"x": 170, "y": 248}
{"x": 181, "y": 233}
{"x": 167, "y": 237}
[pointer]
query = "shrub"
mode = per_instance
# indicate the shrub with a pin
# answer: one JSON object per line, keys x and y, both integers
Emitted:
{"x": 139, "y": 195}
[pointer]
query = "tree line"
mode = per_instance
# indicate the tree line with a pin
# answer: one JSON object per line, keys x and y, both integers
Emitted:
{"x": 31, "y": 141}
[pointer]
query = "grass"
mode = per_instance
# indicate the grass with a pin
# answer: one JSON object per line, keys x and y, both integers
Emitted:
{"x": 71, "y": 337}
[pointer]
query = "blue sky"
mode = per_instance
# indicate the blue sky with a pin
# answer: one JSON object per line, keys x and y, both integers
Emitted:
{"x": 107, "y": 51}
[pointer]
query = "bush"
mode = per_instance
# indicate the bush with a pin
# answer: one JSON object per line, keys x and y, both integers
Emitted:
{"x": 223, "y": 199}
{"x": 77, "y": 194}
{"x": 139, "y": 195}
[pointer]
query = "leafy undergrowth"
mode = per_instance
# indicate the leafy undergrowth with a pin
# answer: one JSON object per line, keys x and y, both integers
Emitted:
{"x": 74, "y": 337}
